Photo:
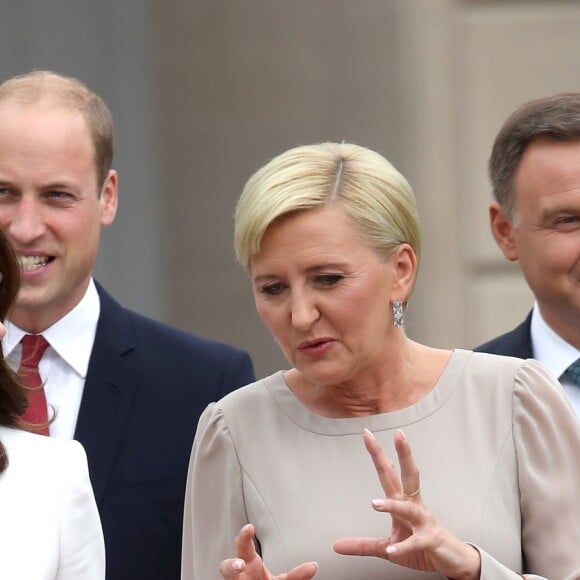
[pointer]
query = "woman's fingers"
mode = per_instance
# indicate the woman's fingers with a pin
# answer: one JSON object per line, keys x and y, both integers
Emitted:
{"x": 303, "y": 572}
{"x": 410, "y": 479}
{"x": 413, "y": 514}
{"x": 387, "y": 475}
{"x": 249, "y": 566}
{"x": 244, "y": 544}
{"x": 232, "y": 568}
{"x": 247, "y": 562}
{"x": 359, "y": 546}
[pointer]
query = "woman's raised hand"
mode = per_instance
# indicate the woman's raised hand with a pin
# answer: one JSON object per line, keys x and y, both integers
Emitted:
{"x": 249, "y": 566}
{"x": 417, "y": 539}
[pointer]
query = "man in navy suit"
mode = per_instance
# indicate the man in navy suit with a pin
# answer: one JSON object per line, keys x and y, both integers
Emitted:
{"x": 535, "y": 220}
{"x": 130, "y": 389}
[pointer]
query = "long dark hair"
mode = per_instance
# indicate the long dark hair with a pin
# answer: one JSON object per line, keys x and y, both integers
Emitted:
{"x": 13, "y": 398}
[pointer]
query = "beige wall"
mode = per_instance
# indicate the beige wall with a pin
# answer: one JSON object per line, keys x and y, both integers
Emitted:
{"x": 243, "y": 81}
{"x": 110, "y": 46}
{"x": 426, "y": 82}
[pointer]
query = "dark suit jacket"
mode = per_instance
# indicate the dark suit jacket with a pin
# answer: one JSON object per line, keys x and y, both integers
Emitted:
{"x": 516, "y": 343}
{"x": 146, "y": 385}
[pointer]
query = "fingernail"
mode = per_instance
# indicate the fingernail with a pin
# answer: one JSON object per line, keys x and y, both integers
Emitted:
{"x": 237, "y": 564}
{"x": 403, "y": 434}
{"x": 369, "y": 432}
{"x": 378, "y": 503}
{"x": 246, "y": 527}
{"x": 391, "y": 550}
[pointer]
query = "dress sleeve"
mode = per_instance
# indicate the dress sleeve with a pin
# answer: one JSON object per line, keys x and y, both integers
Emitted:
{"x": 214, "y": 502}
{"x": 82, "y": 548}
{"x": 546, "y": 436}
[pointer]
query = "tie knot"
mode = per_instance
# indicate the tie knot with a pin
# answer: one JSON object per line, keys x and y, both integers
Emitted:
{"x": 33, "y": 347}
{"x": 574, "y": 371}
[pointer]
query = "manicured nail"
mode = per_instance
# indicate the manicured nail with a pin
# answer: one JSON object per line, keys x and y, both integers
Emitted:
{"x": 369, "y": 433}
{"x": 391, "y": 550}
{"x": 378, "y": 503}
{"x": 237, "y": 564}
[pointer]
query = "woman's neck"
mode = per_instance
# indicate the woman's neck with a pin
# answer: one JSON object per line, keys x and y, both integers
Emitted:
{"x": 404, "y": 377}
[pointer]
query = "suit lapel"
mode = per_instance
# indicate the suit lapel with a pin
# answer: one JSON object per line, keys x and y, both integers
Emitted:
{"x": 522, "y": 339}
{"x": 109, "y": 390}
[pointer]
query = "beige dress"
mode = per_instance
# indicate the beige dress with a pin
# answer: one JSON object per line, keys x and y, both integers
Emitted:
{"x": 496, "y": 442}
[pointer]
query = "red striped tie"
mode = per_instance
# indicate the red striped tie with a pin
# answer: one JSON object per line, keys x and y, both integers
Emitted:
{"x": 33, "y": 347}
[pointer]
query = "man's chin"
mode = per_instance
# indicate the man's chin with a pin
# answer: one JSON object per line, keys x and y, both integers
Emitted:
{"x": 32, "y": 298}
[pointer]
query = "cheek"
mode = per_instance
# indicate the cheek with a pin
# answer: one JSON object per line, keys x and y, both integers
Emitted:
{"x": 543, "y": 254}
{"x": 268, "y": 314}
{"x": 369, "y": 299}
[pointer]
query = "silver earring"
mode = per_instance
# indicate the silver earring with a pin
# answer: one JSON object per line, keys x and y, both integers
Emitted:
{"x": 398, "y": 314}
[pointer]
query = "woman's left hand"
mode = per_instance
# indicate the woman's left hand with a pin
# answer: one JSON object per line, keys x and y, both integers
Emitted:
{"x": 417, "y": 539}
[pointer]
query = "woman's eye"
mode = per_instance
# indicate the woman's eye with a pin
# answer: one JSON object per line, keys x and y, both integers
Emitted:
{"x": 330, "y": 279}
{"x": 272, "y": 289}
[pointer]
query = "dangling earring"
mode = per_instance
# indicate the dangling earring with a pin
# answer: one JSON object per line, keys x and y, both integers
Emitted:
{"x": 398, "y": 314}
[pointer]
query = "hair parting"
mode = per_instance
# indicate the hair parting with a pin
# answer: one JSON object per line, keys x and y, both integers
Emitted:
{"x": 337, "y": 180}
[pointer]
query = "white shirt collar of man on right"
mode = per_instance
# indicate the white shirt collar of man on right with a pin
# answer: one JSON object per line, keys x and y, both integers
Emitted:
{"x": 555, "y": 354}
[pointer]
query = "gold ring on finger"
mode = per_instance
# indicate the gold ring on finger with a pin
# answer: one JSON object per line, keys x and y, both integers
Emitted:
{"x": 416, "y": 492}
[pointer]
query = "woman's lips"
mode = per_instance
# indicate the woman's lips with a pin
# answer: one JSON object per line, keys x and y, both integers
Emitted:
{"x": 315, "y": 347}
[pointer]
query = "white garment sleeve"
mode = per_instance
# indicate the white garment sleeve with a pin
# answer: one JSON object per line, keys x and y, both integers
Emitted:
{"x": 82, "y": 548}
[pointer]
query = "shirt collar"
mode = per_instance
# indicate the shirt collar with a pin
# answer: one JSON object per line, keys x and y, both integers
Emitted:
{"x": 550, "y": 348}
{"x": 72, "y": 336}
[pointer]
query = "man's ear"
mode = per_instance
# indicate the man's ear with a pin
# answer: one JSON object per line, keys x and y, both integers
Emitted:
{"x": 502, "y": 229}
{"x": 109, "y": 199}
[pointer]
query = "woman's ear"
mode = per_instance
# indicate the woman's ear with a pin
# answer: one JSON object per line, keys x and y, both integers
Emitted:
{"x": 404, "y": 262}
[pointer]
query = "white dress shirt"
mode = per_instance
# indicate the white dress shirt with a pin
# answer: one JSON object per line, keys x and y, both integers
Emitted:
{"x": 555, "y": 354}
{"x": 63, "y": 367}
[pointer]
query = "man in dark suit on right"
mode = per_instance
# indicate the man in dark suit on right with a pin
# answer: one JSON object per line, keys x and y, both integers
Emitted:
{"x": 535, "y": 219}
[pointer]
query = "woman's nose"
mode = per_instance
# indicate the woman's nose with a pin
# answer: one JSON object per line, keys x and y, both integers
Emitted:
{"x": 304, "y": 312}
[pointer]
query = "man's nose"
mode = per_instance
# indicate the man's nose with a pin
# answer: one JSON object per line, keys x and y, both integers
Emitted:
{"x": 25, "y": 221}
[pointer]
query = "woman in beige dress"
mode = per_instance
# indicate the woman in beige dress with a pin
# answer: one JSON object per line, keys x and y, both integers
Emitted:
{"x": 288, "y": 479}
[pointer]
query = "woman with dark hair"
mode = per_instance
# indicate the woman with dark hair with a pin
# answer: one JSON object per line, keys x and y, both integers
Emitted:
{"x": 13, "y": 398}
{"x": 49, "y": 524}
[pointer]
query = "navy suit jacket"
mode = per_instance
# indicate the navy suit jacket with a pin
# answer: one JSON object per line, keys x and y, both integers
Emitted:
{"x": 516, "y": 343}
{"x": 147, "y": 383}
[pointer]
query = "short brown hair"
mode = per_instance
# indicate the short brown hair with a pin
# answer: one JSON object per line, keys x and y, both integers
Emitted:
{"x": 557, "y": 117}
{"x": 30, "y": 88}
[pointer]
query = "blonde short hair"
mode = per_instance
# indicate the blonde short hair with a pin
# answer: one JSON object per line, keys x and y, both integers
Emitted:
{"x": 375, "y": 196}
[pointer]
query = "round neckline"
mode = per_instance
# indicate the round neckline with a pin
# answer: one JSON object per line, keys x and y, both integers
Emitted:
{"x": 297, "y": 412}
